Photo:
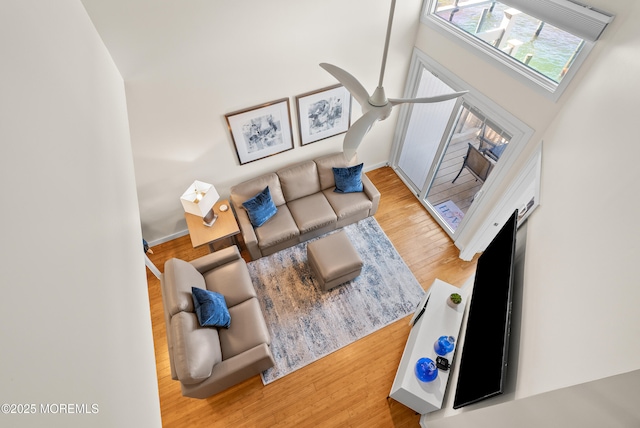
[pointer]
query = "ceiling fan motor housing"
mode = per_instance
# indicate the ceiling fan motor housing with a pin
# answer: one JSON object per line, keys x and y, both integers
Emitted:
{"x": 378, "y": 98}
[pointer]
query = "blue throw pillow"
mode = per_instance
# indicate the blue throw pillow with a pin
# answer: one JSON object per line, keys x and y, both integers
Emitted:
{"x": 348, "y": 180}
{"x": 211, "y": 308}
{"x": 260, "y": 208}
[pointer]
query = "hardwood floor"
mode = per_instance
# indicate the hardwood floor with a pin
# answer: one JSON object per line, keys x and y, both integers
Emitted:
{"x": 348, "y": 388}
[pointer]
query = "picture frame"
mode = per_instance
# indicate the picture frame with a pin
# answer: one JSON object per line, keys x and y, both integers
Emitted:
{"x": 323, "y": 113}
{"x": 261, "y": 131}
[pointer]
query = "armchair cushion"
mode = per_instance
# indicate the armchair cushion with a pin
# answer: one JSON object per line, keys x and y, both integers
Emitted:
{"x": 348, "y": 180}
{"x": 211, "y": 308}
{"x": 260, "y": 208}
{"x": 232, "y": 281}
{"x": 247, "y": 331}
{"x": 195, "y": 350}
{"x": 216, "y": 259}
{"x": 180, "y": 276}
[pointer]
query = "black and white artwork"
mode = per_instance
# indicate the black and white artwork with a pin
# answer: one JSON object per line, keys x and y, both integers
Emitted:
{"x": 261, "y": 131}
{"x": 323, "y": 113}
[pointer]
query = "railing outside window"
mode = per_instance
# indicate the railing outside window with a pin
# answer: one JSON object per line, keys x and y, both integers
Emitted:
{"x": 544, "y": 53}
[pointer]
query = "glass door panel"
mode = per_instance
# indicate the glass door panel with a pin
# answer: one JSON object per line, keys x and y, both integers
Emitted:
{"x": 469, "y": 155}
{"x": 427, "y": 126}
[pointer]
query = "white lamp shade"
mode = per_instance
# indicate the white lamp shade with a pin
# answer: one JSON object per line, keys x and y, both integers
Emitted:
{"x": 199, "y": 198}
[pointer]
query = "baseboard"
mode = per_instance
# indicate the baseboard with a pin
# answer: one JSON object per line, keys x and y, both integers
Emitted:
{"x": 168, "y": 238}
{"x": 375, "y": 166}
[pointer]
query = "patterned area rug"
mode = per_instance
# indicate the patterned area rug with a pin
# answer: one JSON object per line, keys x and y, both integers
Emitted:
{"x": 307, "y": 323}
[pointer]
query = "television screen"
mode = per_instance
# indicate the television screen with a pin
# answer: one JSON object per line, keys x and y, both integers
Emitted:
{"x": 484, "y": 353}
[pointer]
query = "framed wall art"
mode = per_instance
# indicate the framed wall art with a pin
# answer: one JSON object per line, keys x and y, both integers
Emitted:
{"x": 261, "y": 131}
{"x": 323, "y": 113}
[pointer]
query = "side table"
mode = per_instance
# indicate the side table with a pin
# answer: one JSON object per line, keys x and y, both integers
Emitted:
{"x": 225, "y": 226}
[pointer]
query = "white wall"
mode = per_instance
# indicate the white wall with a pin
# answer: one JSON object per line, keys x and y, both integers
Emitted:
{"x": 610, "y": 402}
{"x": 74, "y": 315}
{"x": 579, "y": 319}
{"x": 581, "y": 278}
{"x": 186, "y": 65}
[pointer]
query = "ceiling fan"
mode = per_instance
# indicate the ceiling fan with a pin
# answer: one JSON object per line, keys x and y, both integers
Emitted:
{"x": 375, "y": 106}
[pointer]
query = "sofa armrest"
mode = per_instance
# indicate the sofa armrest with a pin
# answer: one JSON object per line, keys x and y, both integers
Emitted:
{"x": 248, "y": 234}
{"x": 232, "y": 371}
{"x": 372, "y": 193}
{"x": 219, "y": 258}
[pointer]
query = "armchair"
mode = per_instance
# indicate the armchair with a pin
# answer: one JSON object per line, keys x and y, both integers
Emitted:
{"x": 207, "y": 360}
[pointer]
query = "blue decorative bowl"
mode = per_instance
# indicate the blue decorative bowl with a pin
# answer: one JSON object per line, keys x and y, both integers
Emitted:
{"x": 444, "y": 345}
{"x": 426, "y": 370}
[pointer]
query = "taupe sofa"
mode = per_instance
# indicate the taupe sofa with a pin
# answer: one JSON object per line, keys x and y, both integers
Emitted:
{"x": 307, "y": 205}
{"x": 207, "y": 360}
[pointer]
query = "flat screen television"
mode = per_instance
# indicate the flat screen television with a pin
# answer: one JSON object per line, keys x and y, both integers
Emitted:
{"x": 484, "y": 358}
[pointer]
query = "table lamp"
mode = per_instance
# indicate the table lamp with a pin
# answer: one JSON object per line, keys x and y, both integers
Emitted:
{"x": 199, "y": 200}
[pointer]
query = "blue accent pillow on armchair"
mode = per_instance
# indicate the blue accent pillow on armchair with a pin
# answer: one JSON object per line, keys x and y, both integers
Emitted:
{"x": 211, "y": 308}
{"x": 348, "y": 180}
{"x": 260, "y": 208}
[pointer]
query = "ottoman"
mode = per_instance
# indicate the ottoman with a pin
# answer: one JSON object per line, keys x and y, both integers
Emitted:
{"x": 333, "y": 260}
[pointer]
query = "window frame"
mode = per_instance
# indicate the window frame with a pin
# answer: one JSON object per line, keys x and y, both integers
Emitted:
{"x": 510, "y": 65}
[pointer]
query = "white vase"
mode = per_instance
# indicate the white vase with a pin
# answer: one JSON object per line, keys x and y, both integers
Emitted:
{"x": 451, "y": 304}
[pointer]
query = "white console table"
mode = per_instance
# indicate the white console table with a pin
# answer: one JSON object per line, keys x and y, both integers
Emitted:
{"x": 437, "y": 320}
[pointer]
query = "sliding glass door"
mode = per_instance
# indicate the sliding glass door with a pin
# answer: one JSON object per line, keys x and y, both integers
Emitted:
{"x": 472, "y": 148}
{"x": 455, "y": 156}
{"x": 447, "y": 150}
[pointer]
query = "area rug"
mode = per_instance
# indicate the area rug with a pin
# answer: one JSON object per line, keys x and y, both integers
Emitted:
{"x": 307, "y": 323}
{"x": 450, "y": 213}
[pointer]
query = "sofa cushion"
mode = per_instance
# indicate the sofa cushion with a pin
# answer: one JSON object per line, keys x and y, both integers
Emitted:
{"x": 260, "y": 208}
{"x": 248, "y": 189}
{"x": 211, "y": 308}
{"x": 349, "y": 179}
{"x": 348, "y": 204}
{"x": 179, "y": 277}
{"x": 247, "y": 331}
{"x": 232, "y": 281}
{"x": 195, "y": 349}
{"x": 312, "y": 212}
{"x": 299, "y": 180}
{"x": 280, "y": 228}
{"x": 326, "y": 164}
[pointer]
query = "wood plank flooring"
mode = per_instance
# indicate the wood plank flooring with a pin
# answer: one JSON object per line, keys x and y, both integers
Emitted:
{"x": 348, "y": 388}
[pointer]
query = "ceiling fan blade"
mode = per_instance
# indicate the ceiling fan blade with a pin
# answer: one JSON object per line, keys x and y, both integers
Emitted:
{"x": 351, "y": 83}
{"x": 436, "y": 99}
{"x": 359, "y": 129}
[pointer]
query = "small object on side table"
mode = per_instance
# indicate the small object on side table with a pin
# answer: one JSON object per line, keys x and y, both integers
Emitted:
{"x": 210, "y": 218}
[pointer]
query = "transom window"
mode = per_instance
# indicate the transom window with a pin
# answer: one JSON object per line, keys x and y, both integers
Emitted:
{"x": 542, "y": 41}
